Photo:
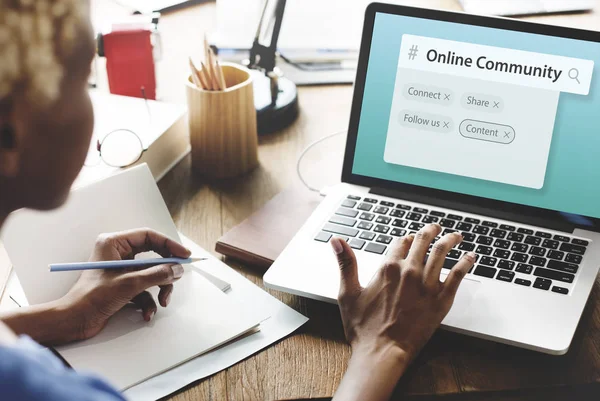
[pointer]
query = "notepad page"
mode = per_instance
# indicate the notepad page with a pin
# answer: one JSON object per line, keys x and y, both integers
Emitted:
{"x": 130, "y": 350}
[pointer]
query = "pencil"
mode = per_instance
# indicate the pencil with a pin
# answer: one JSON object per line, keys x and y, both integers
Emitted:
{"x": 204, "y": 71}
{"x": 195, "y": 75}
{"x": 212, "y": 69}
{"x": 220, "y": 75}
{"x": 120, "y": 264}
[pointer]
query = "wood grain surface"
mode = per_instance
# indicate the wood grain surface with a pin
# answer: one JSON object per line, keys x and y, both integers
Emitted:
{"x": 310, "y": 363}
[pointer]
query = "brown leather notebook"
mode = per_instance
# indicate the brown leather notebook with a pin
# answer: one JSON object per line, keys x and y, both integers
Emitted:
{"x": 260, "y": 238}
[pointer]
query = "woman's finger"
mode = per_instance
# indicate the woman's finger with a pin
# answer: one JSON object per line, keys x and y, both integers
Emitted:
{"x": 421, "y": 243}
{"x": 141, "y": 240}
{"x": 146, "y": 303}
{"x": 399, "y": 248}
{"x": 349, "y": 284}
{"x": 141, "y": 280}
{"x": 164, "y": 295}
{"x": 437, "y": 256}
{"x": 457, "y": 273}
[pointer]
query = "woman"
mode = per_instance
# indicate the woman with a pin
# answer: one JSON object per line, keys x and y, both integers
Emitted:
{"x": 46, "y": 124}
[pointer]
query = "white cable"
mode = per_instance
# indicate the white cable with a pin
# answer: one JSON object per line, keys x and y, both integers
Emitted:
{"x": 305, "y": 151}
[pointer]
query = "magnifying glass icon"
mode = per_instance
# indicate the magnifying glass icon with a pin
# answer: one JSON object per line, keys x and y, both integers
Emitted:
{"x": 574, "y": 74}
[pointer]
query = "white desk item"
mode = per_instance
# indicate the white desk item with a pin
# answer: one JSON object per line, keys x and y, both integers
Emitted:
{"x": 525, "y": 7}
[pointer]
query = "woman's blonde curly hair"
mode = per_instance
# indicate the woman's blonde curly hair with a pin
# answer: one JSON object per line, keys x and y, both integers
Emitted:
{"x": 36, "y": 37}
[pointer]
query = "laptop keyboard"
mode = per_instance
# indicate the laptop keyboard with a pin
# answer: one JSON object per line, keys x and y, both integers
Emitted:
{"x": 505, "y": 252}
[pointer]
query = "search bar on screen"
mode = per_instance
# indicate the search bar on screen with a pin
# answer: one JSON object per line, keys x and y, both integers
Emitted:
{"x": 490, "y": 63}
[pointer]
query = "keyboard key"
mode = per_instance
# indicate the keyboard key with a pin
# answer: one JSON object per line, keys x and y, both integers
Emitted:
{"x": 520, "y": 281}
{"x": 561, "y": 238}
{"x": 397, "y": 213}
{"x": 365, "y": 225}
{"x": 386, "y": 203}
{"x": 447, "y": 223}
{"x": 505, "y": 275}
{"x": 507, "y": 227}
{"x": 531, "y": 240}
{"x": 485, "y": 271}
{"x": 420, "y": 210}
{"x": 416, "y": 226}
{"x": 515, "y": 237}
{"x": 488, "y": 261}
{"x": 563, "y": 266}
{"x": 371, "y": 200}
{"x": 489, "y": 224}
{"x": 398, "y": 232}
{"x": 519, "y": 248}
{"x": 356, "y": 243}
{"x": 525, "y": 231}
{"x": 384, "y": 239}
{"x": 381, "y": 210}
{"x": 557, "y": 255}
{"x": 466, "y": 246}
{"x": 454, "y": 217}
{"x": 365, "y": 206}
{"x": 524, "y": 268}
{"x": 403, "y": 207}
{"x": 519, "y": 257}
{"x": 483, "y": 250}
{"x": 349, "y": 203}
{"x": 502, "y": 244}
{"x": 542, "y": 284}
{"x": 399, "y": 223}
{"x": 580, "y": 242}
{"x": 506, "y": 264}
{"x": 554, "y": 275}
{"x": 576, "y": 249}
{"x": 383, "y": 220}
{"x": 537, "y": 251}
{"x": 462, "y": 226}
{"x": 537, "y": 261}
{"x": 543, "y": 234}
{"x": 501, "y": 253}
{"x": 414, "y": 216}
{"x": 472, "y": 220}
{"x": 560, "y": 290}
{"x": 342, "y": 237}
{"x": 334, "y": 228}
{"x": 380, "y": 228}
{"x": 550, "y": 244}
{"x": 345, "y": 221}
{"x": 346, "y": 212}
{"x": 375, "y": 248}
{"x": 454, "y": 254}
{"x": 323, "y": 237}
{"x": 573, "y": 258}
{"x": 483, "y": 240}
{"x": 448, "y": 231}
{"x": 367, "y": 216}
{"x": 367, "y": 235}
{"x": 430, "y": 219}
{"x": 437, "y": 214}
{"x": 481, "y": 230}
{"x": 353, "y": 197}
{"x": 498, "y": 233}
{"x": 468, "y": 237}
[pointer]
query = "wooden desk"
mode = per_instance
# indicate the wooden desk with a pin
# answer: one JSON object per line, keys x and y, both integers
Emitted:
{"x": 310, "y": 363}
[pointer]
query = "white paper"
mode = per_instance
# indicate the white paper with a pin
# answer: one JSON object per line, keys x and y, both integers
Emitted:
{"x": 284, "y": 320}
{"x": 129, "y": 350}
{"x": 34, "y": 239}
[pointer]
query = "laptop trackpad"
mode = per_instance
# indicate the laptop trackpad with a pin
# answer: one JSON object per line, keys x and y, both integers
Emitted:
{"x": 461, "y": 307}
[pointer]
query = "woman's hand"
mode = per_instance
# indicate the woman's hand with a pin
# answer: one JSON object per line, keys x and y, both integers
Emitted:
{"x": 388, "y": 322}
{"x": 99, "y": 294}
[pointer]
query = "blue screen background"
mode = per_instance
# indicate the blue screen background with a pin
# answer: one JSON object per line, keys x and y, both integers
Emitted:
{"x": 572, "y": 182}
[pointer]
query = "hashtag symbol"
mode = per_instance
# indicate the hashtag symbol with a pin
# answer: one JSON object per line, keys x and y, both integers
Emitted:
{"x": 412, "y": 52}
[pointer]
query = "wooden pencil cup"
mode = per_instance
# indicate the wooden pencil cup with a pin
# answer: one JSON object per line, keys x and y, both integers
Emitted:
{"x": 223, "y": 130}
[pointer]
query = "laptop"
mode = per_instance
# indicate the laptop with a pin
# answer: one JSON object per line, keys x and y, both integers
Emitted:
{"x": 486, "y": 126}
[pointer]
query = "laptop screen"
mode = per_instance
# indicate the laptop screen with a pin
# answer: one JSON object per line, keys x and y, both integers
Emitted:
{"x": 494, "y": 113}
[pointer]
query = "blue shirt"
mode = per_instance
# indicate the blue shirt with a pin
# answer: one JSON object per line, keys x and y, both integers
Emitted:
{"x": 29, "y": 372}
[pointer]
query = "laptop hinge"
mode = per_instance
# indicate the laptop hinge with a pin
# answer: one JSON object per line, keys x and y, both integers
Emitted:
{"x": 500, "y": 213}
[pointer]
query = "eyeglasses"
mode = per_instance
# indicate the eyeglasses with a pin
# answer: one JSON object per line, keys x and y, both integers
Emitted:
{"x": 119, "y": 148}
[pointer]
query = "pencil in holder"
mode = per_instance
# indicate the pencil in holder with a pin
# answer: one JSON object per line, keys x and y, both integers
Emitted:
{"x": 223, "y": 131}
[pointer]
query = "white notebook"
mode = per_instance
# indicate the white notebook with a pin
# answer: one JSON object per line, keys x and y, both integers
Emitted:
{"x": 129, "y": 350}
